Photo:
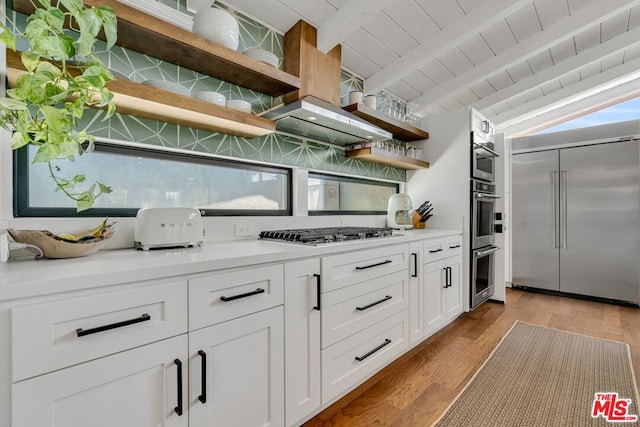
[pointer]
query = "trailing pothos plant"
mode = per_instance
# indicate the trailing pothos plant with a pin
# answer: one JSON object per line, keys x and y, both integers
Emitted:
{"x": 63, "y": 76}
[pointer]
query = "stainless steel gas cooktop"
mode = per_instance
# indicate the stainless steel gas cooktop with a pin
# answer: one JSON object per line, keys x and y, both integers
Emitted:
{"x": 316, "y": 236}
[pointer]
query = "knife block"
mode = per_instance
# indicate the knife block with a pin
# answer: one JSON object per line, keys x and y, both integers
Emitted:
{"x": 415, "y": 219}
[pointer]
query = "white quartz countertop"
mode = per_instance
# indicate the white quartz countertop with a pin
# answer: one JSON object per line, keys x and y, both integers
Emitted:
{"x": 27, "y": 278}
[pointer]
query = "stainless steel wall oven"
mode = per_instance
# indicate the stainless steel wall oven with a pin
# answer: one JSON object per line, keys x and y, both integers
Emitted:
{"x": 482, "y": 158}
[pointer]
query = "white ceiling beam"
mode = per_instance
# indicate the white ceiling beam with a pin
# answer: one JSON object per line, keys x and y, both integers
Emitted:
{"x": 587, "y": 16}
{"x": 574, "y": 110}
{"x": 594, "y": 84}
{"x": 610, "y": 47}
{"x": 477, "y": 20}
{"x": 351, "y": 16}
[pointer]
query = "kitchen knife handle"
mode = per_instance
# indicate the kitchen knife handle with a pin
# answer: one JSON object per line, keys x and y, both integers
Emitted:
{"x": 386, "y": 261}
{"x": 318, "y": 295}
{"x": 248, "y": 294}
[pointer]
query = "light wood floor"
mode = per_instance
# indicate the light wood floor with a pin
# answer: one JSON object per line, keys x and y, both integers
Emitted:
{"x": 416, "y": 389}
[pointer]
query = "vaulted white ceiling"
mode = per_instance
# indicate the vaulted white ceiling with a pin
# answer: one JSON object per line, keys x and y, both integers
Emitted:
{"x": 525, "y": 64}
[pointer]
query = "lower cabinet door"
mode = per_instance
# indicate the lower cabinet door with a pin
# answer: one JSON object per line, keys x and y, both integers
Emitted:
{"x": 302, "y": 345}
{"x": 236, "y": 375}
{"x": 136, "y": 388}
{"x": 453, "y": 294}
{"x": 434, "y": 282}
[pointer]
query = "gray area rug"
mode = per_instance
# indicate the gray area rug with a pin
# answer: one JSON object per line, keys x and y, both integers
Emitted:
{"x": 540, "y": 377}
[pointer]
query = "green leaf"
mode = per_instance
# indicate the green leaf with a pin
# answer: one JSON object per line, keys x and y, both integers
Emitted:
{"x": 55, "y": 118}
{"x": 55, "y": 18}
{"x": 109, "y": 23}
{"x": 104, "y": 189}
{"x": 111, "y": 110}
{"x": 92, "y": 22}
{"x": 78, "y": 178}
{"x": 46, "y": 153}
{"x": 12, "y": 104}
{"x": 18, "y": 140}
{"x": 7, "y": 37}
{"x": 73, "y": 6}
{"x": 30, "y": 60}
{"x": 49, "y": 70}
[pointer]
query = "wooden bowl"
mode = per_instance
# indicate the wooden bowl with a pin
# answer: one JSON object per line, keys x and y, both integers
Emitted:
{"x": 55, "y": 247}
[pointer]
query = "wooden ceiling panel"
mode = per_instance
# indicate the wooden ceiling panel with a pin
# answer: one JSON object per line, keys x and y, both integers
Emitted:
{"x": 455, "y": 62}
{"x": 466, "y": 97}
{"x": 389, "y": 33}
{"x": 419, "y": 81}
{"x": 437, "y": 72}
{"x": 520, "y": 71}
{"x": 524, "y": 23}
{"x": 532, "y": 94}
{"x": 482, "y": 89}
{"x": 517, "y": 101}
{"x": 612, "y": 60}
{"x": 551, "y": 11}
{"x": 412, "y": 18}
{"x": 563, "y": 50}
{"x": 614, "y": 27}
{"x": 356, "y": 62}
{"x": 469, "y": 5}
{"x": 500, "y": 108}
{"x": 590, "y": 70}
{"x": 634, "y": 17}
{"x": 314, "y": 12}
{"x": 370, "y": 48}
{"x": 550, "y": 87}
{"x": 337, "y": 3}
{"x": 403, "y": 90}
{"x": 443, "y": 13}
{"x": 587, "y": 39}
{"x": 476, "y": 49}
{"x": 500, "y": 80}
{"x": 570, "y": 78}
{"x": 272, "y": 12}
{"x": 450, "y": 103}
{"x": 499, "y": 37}
{"x": 632, "y": 52}
{"x": 540, "y": 61}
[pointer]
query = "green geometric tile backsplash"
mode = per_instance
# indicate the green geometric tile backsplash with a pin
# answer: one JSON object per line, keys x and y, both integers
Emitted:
{"x": 274, "y": 148}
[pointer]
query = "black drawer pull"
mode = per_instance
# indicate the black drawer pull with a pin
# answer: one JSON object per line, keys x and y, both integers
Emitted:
{"x": 384, "y": 344}
{"x": 318, "y": 296}
{"x": 82, "y": 332}
{"x": 415, "y": 264}
{"x": 178, "y": 408}
{"x": 454, "y": 247}
{"x": 386, "y": 261}
{"x": 387, "y": 298}
{"x": 203, "y": 378}
{"x": 433, "y": 251}
{"x": 248, "y": 294}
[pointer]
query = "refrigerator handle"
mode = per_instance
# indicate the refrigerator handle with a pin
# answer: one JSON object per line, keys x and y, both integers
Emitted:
{"x": 554, "y": 209}
{"x": 563, "y": 208}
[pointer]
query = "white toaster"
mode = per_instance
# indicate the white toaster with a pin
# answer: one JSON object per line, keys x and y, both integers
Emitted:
{"x": 168, "y": 228}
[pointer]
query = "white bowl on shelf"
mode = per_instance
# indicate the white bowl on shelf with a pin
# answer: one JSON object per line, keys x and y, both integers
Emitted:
{"x": 262, "y": 56}
{"x": 211, "y": 96}
{"x": 169, "y": 86}
{"x": 217, "y": 25}
{"x": 240, "y": 105}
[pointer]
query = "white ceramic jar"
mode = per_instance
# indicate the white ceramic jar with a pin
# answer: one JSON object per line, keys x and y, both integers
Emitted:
{"x": 217, "y": 25}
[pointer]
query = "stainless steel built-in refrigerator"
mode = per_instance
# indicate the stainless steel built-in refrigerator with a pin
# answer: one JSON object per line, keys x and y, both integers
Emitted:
{"x": 576, "y": 216}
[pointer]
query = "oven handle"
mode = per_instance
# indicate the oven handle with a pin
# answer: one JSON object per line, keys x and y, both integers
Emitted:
{"x": 488, "y": 150}
{"x": 485, "y": 195}
{"x": 487, "y": 252}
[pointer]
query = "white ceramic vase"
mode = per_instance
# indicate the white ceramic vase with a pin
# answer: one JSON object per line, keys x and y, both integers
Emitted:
{"x": 217, "y": 25}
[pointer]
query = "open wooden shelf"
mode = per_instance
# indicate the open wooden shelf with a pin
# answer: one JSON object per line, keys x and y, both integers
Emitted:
{"x": 143, "y": 101}
{"x": 151, "y": 36}
{"x": 377, "y": 155}
{"x": 400, "y": 130}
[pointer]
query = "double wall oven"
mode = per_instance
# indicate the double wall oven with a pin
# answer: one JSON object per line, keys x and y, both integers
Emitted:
{"x": 483, "y": 210}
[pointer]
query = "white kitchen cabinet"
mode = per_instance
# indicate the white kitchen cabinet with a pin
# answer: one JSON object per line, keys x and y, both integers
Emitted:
{"x": 416, "y": 293}
{"x": 442, "y": 293}
{"x": 302, "y": 339}
{"x": 480, "y": 125}
{"x": 236, "y": 375}
{"x": 141, "y": 387}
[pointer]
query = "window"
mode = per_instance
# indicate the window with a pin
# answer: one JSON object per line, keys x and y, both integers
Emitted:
{"x": 145, "y": 178}
{"x": 331, "y": 195}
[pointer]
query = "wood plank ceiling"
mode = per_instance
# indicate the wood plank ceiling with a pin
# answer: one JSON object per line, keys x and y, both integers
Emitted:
{"x": 525, "y": 64}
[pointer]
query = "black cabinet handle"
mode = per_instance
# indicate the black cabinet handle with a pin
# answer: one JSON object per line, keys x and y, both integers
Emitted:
{"x": 248, "y": 294}
{"x": 446, "y": 277}
{"x": 387, "y": 298}
{"x": 454, "y": 247}
{"x": 203, "y": 378}
{"x": 378, "y": 348}
{"x": 386, "y": 261}
{"x": 83, "y": 332}
{"x": 433, "y": 251}
{"x": 317, "y": 307}
{"x": 415, "y": 264}
{"x": 178, "y": 408}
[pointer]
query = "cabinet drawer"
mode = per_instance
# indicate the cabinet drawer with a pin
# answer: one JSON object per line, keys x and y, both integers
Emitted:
{"x": 57, "y": 334}
{"x": 434, "y": 249}
{"x": 453, "y": 245}
{"x": 349, "y": 362}
{"x": 224, "y": 296}
{"x": 347, "y": 269}
{"x": 352, "y": 309}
